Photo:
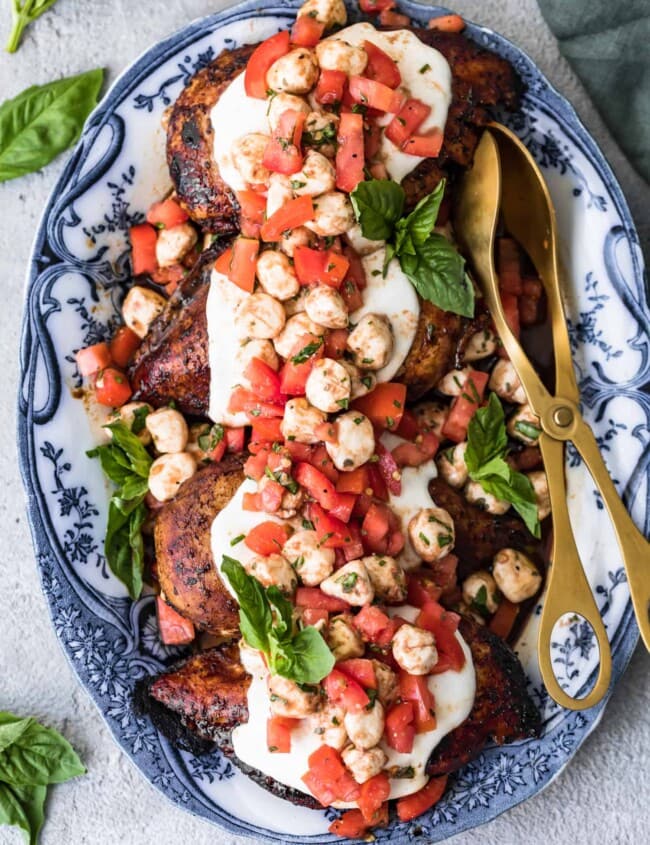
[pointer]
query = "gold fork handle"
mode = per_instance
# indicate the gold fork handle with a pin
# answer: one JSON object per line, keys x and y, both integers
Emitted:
{"x": 635, "y": 549}
{"x": 567, "y": 588}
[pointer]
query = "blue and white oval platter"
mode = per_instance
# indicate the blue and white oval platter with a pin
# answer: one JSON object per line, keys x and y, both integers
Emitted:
{"x": 77, "y": 276}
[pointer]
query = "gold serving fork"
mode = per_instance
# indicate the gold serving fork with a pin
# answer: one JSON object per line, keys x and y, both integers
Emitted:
{"x": 506, "y": 179}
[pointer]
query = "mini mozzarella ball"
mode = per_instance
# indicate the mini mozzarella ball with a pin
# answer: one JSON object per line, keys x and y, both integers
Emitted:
{"x": 480, "y": 589}
{"x": 336, "y": 54}
{"x": 516, "y": 575}
{"x": 415, "y": 650}
{"x": 476, "y": 495}
{"x": 343, "y": 639}
{"x": 296, "y": 305}
{"x": 247, "y": 155}
{"x": 540, "y": 488}
{"x": 365, "y": 727}
{"x": 481, "y": 345}
{"x": 431, "y": 416}
{"x": 387, "y": 578}
{"x": 295, "y": 73}
{"x": 294, "y": 238}
{"x": 328, "y": 12}
{"x": 361, "y": 382}
{"x": 140, "y": 308}
{"x": 388, "y": 689}
{"x": 128, "y": 414}
{"x": 260, "y": 316}
{"x": 328, "y": 725}
{"x": 276, "y": 275}
{"x": 317, "y": 176}
{"x": 355, "y": 441}
{"x": 256, "y": 348}
{"x": 168, "y": 430}
{"x": 310, "y": 559}
{"x": 251, "y": 659}
{"x": 350, "y": 583}
{"x": 504, "y": 381}
{"x": 524, "y": 425}
{"x": 283, "y": 102}
{"x": 279, "y": 193}
{"x": 294, "y": 329}
{"x": 286, "y": 698}
{"x": 320, "y": 133}
{"x": 451, "y": 465}
{"x": 168, "y": 472}
{"x": 364, "y": 764}
{"x": 360, "y": 244}
{"x": 273, "y": 570}
{"x": 325, "y": 306}
{"x": 300, "y": 421}
{"x": 328, "y": 386}
{"x": 431, "y": 532}
{"x": 371, "y": 342}
{"x": 453, "y": 383}
{"x": 333, "y": 215}
{"x": 173, "y": 244}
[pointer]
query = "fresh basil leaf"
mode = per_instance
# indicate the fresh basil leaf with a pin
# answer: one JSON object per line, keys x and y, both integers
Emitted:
{"x": 134, "y": 487}
{"x": 123, "y": 546}
{"x": 139, "y": 419}
{"x": 11, "y": 728}
{"x": 23, "y": 14}
{"x": 255, "y": 617}
{"x": 312, "y": 658}
{"x": 114, "y": 463}
{"x": 37, "y": 757}
{"x": 378, "y": 205}
{"x": 11, "y": 810}
{"x": 43, "y": 121}
{"x": 283, "y": 609}
{"x": 32, "y": 801}
{"x": 420, "y": 222}
{"x": 486, "y": 435}
{"x": 496, "y": 466}
{"x": 519, "y": 492}
{"x": 389, "y": 254}
{"x": 440, "y": 276}
{"x": 139, "y": 459}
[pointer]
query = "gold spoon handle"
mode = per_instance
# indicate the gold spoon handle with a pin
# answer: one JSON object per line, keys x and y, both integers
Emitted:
{"x": 635, "y": 549}
{"x": 567, "y": 588}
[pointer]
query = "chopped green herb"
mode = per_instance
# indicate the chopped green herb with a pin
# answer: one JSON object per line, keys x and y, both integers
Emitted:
{"x": 237, "y": 539}
{"x": 424, "y": 68}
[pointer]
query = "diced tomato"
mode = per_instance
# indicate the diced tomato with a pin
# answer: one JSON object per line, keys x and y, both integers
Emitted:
{"x": 330, "y": 87}
{"x": 422, "y": 589}
{"x": 464, "y": 406}
{"x": 355, "y": 481}
{"x": 260, "y": 63}
{"x": 317, "y": 485}
{"x": 332, "y": 532}
{"x": 424, "y": 146}
{"x": 335, "y": 342}
{"x": 256, "y": 464}
{"x": 400, "y": 727}
{"x": 374, "y": 625}
{"x": 166, "y": 214}
{"x": 414, "y": 454}
{"x": 443, "y": 624}
{"x": 376, "y": 526}
{"x": 407, "y": 121}
{"x": 355, "y": 273}
{"x": 504, "y": 619}
{"x": 389, "y": 469}
{"x": 247, "y": 402}
{"x": 266, "y": 430}
{"x": 267, "y": 538}
{"x": 414, "y": 688}
{"x": 342, "y": 506}
{"x": 251, "y": 502}
{"x": 270, "y": 496}
{"x": 360, "y": 670}
{"x": 351, "y": 296}
{"x": 372, "y": 140}
{"x": 278, "y": 733}
{"x": 169, "y": 276}
{"x": 112, "y": 388}
{"x": 217, "y": 453}
{"x": 314, "y": 615}
{"x": 234, "y": 439}
{"x": 143, "y": 248}
{"x": 124, "y": 344}
{"x": 299, "y": 451}
{"x": 326, "y": 431}
{"x": 264, "y": 380}
{"x": 350, "y": 825}
{"x": 373, "y": 7}
{"x": 223, "y": 262}
{"x": 408, "y": 427}
{"x": 280, "y": 156}
{"x": 412, "y": 806}
{"x": 447, "y": 23}
{"x": 375, "y": 95}
{"x": 315, "y": 266}
{"x": 376, "y": 480}
{"x": 342, "y": 688}
{"x": 174, "y": 628}
{"x": 93, "y": 358}
{"x": 322, "y": 461}
{"x": 444, "y": 572}
{"x": 380, "y": 66}
{"x": 306, "y": 31}
{"x": 384, "y": 405}
{"x": 353, "y": 548}
{"x": 532, "y": 303}
{"x": 294, "y": 373}
{"x": 321, "y": 790}
{"x": 509, "y": 266}
{"x": 292, "y": 214}
{"x": 350, "y": 152}
{"x": 326, "y": 766}
{"x": 315, "y": 599}
{"x": 374, "y": 793}
{"x": 389, "y": 18}
{"x": 511, "y": 311}
{"x": 252, "y": 205}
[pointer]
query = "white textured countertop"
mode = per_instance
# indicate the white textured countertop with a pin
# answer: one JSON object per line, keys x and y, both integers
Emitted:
{"x": 602, "y": 797}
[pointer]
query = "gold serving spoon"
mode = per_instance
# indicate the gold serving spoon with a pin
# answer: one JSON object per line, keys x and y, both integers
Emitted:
{"x": 523, "y": 198}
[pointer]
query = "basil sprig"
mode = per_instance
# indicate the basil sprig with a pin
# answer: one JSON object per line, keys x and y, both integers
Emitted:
{"x": 487, "y": 446}
{"x": 126, "y": 462}
{"x": 266, "y": 622}
{"x": 43, "y": 121}
{"x": 25, "y": 12}
{"x": 432, "y": 264}
{"x": 31, "y": 758}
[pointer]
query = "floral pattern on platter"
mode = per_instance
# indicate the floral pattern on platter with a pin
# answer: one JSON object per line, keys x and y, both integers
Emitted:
{"x": 77, "y": 276}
